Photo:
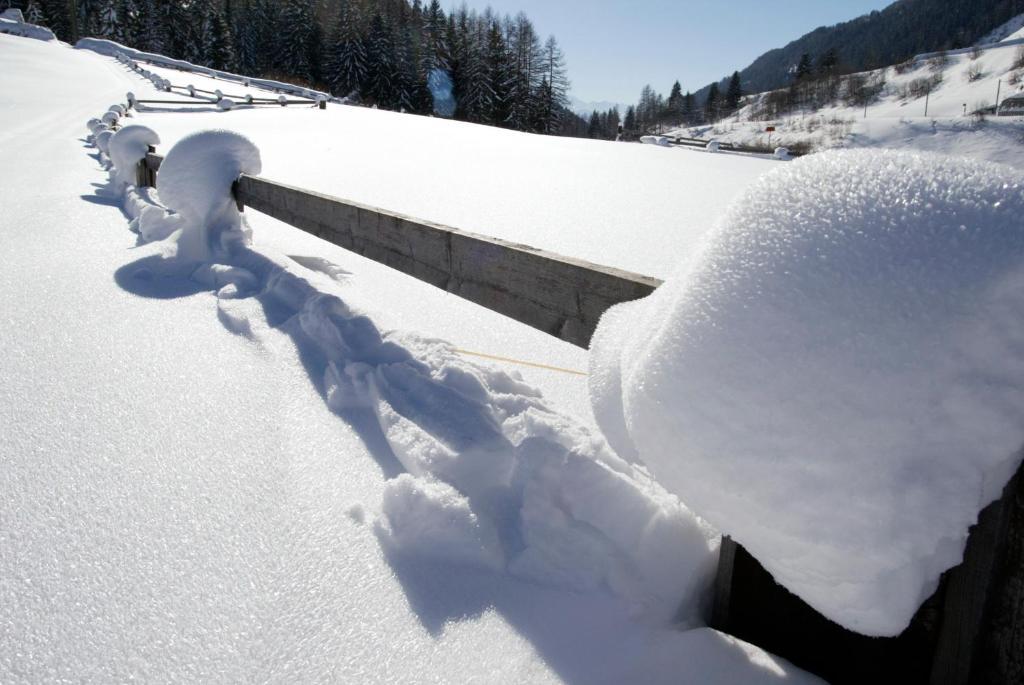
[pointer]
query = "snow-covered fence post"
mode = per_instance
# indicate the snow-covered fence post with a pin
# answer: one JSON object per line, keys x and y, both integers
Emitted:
{"x": 971, "y": 630}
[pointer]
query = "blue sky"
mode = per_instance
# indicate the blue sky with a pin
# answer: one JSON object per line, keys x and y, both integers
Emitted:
{"x": 614, "y": 47}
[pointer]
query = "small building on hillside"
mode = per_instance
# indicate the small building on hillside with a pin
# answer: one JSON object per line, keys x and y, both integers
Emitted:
{"x": 1012, "y": 106}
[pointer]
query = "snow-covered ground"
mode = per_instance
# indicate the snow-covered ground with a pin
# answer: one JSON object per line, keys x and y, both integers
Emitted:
{"x": 896, "y": 120}
{"x": 260, "y": 464}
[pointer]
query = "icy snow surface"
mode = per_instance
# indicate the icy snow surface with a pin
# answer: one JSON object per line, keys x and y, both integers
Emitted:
{"x": 225, "y": 466}
{"x": 837, "y": 377}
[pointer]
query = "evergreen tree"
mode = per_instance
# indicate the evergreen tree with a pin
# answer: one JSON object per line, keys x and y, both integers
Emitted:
{"x": 380, "y": 85}
{"x": 629, "y": 123}
{"x": 297, "y": 34}
{"x": 713, "y": 103}
{"x": 734, "y": 93}
{"x": 675, "y": 103}
{"x": 527, "y": 71}
{"x": 555, "y": 86}
{"x": 803, "y": 68}
{"x": 499, "y": 77}
{"x": 222, "y": 54}
{"x": 152, "y": 31}
{"x": 107, "y": 22}
{"x": 245, "y": 32}
{"x": 36, "y": 14}
{"x": 689, "y": 108}
{"x": 347, "y": 69}
{"x": 828, "y": 63}
{"x": 595, "y": 129}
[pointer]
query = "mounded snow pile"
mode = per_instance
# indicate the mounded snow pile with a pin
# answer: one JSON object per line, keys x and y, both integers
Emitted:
{"x": 110, "y": 117}
{"x": 118, "y": 110}
{"x": 782, "y": 153}
{"x": 225, "y": 104}
{"x": 95, "y": 126}
{"x": 654, "y": 140}
{"x": 432, "y": 519}
{"x": 713, "y": 146}
{"x": 564, "y": 509}
{"x": 102, "y": 141}
{"x": 195, "y": 181}
{"x": 148, "y": 218}
{"x": 127, "y": 147}
{"x": 282, "y": 99}
{"x": 836, "y": 378}
{"x": 12, "y": 22}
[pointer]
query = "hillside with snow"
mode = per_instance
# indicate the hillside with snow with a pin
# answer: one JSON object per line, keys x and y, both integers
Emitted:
{"x": 941, "y": 102}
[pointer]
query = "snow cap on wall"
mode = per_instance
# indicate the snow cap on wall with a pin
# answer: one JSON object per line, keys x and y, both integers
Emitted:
{"x": 836, "y": 378}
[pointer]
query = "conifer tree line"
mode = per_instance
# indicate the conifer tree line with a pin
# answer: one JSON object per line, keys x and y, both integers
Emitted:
{"x": 655, "y": 113}
{"x": 402, "y": 55}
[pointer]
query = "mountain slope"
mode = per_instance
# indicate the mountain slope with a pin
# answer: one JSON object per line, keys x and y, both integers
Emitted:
{"x": 894, "y": 34}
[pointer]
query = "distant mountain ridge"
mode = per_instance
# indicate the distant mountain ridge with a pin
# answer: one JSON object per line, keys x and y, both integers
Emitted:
{"x": 883, "y": 37}
{"x": 584, "y": 108}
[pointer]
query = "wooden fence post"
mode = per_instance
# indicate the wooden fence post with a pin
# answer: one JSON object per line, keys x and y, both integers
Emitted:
{"x": 971, "y": 630}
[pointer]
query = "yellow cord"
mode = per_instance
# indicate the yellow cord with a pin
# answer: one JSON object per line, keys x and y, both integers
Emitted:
{"x": 520, "y": 361}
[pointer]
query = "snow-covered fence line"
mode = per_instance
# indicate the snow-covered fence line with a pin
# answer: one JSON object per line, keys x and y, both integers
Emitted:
{"x": 682, "y": 141}
{"x": 112, "y": 49}
{"x": 559, "y": 295}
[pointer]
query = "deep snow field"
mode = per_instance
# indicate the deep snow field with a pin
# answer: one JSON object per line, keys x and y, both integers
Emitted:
{"x": 894, "y": 121}
{"x": 235, "y": 452}
{"x": 204, "y": 483}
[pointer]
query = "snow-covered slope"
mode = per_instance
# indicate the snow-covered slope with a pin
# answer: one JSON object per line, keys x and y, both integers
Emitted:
{"x": 1011, "y": 30}
{"x": 190, "y": 492}
{"x": 897, "y": 119}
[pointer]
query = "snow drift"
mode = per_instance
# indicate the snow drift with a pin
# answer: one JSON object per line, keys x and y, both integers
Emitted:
{"x": 836, "y": 378}
{"x": 12, "y": 22}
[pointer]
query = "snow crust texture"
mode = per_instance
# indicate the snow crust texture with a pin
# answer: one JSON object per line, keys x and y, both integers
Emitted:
{"x": 836, "y": 378}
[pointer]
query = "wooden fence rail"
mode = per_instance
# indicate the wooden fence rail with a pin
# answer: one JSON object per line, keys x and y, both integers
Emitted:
{"x": 559, "y": 295}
